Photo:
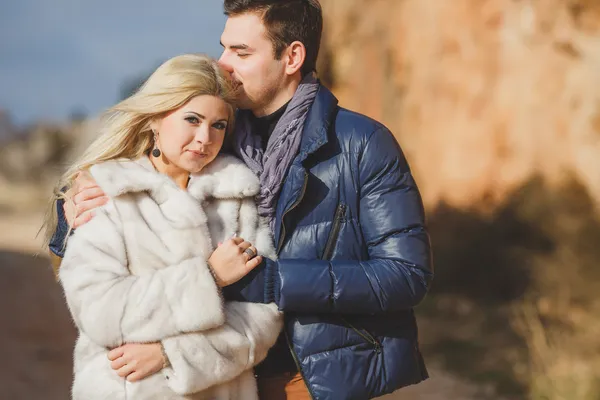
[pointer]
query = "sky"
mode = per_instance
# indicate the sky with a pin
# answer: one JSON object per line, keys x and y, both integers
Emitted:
{"x": 63, "y": 56}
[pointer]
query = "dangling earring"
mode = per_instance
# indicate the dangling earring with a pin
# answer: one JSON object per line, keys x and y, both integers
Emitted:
{"x": 155, "y": 151}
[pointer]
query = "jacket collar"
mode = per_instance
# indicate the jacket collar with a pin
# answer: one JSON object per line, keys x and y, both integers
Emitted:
{"x": 318, "y": 121}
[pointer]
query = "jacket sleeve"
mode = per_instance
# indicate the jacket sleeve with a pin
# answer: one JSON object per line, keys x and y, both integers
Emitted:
{"x": 399, "y": 270}
{"x": 251, "y": 288}
{"x": 205, "y": 359}
{"x": 113, "y": 307}
{"x": 57, "y": 242}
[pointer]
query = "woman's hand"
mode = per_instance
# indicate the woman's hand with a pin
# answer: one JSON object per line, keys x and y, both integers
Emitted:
{"x": 233, "y": 260}
{"x": 135, "y": 361}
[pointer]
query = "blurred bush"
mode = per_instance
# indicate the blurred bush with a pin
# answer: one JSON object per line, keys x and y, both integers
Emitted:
{"x": 515, "y": 296}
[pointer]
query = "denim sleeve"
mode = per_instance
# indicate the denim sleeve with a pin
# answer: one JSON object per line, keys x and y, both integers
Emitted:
{"x": 62, "y": 227}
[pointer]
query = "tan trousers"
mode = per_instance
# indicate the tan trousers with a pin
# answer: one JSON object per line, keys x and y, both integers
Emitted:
{"x": 286, "y": 386}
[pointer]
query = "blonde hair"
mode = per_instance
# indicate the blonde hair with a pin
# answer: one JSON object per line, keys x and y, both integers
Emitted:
{"x": 126, "y": 131}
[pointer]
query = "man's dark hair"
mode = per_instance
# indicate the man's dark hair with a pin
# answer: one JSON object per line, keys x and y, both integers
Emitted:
{"x": 286, "y": 21}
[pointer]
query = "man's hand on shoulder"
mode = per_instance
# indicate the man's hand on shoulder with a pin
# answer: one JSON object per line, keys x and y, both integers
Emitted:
{"x": 84, "y": 196}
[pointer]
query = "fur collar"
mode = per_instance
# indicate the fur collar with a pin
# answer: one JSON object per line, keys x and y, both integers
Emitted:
{"x": 225, "y": 177}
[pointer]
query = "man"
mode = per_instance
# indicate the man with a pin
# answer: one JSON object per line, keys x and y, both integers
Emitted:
{"x": 346, "y": 214}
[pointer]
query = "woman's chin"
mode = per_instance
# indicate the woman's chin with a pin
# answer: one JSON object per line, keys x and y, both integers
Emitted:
{"x": 195, "y": 168}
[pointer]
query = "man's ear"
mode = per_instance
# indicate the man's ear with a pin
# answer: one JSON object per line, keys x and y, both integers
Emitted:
{"x": 295, "y": 54}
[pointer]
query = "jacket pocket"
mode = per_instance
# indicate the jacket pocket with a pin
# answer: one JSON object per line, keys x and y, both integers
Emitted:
{"x": 365, "y": 334}
{"x": 340, "y": 215}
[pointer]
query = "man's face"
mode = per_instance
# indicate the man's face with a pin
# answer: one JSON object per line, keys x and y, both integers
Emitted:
{"x": 249, "y": 57}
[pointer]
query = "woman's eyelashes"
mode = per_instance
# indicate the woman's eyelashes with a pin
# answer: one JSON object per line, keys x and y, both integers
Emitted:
{"x": 192, "y": 120}
{"x": 220, "y": 126}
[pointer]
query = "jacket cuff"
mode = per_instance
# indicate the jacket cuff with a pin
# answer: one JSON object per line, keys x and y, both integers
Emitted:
{"x": 272, "y": 282}
{"x": 250, "y": 288}
{"x": 57, "y": 242}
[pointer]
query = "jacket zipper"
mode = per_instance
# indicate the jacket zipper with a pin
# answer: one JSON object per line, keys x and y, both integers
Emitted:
{"x": 365, "y": 334}
{"x": 279, "y": 246}
{"x": 295, "y": 357}
{"x": 298, "y": 200}
{"x": 340, "y": 214}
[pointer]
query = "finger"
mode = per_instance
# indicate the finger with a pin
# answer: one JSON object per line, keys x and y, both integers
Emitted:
{"x": 70, "y": 212}
{"x": 69, "y": 194}
{"x": 83, "y": 219}
{"x": 126, "y": 370}
{"x": 253, "y": 263}
{"x": 244, "y": 245}
{"x": 115, "y": 353}
{"x": 76, "y": 182}
{"x": 250, "y": 253}
{"x": 89, "y": 205}
{"x": 137, "y": 376}
{"x": 118, "y": 363}
{"x": 236, "y": 240}
{"x": 88, "y": 194}
{"x": 81, "y": 183}
{"x": 84, "y": 179}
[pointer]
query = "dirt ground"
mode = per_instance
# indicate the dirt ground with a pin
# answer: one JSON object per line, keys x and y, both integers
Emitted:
{"x": 37, "y": 334}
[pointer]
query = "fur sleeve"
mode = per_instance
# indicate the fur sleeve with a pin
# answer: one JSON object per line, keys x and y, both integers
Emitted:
{"x": 113, "y": 307}
{"x": 205, "y": 359}
{"x": 257, "y": 228}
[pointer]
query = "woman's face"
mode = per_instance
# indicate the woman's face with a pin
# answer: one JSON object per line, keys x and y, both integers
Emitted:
{"x": 191, "y": 136}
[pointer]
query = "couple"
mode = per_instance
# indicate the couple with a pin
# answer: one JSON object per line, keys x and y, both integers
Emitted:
{"x": 330, "y": 253}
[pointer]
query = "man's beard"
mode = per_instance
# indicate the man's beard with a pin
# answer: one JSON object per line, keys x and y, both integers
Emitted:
{"x": 243, "y": 104}
{"x": 244, "y": 101}
{"x": 239, "y": 93}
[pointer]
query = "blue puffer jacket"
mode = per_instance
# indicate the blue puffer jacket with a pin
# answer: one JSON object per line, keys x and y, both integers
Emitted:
{"x": 354, "y": 258}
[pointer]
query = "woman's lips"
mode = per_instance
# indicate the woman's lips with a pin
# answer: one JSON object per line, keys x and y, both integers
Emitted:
{"x": 198, "y": 153}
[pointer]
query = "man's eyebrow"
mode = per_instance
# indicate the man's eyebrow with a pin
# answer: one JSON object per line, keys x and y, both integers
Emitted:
{"x": 237, "y": 46}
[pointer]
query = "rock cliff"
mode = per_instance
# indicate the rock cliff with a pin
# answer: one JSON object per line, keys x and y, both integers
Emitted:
{"x": 481, "y": 94}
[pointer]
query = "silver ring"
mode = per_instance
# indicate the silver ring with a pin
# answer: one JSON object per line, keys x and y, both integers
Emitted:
{"x": 250, "y": 252}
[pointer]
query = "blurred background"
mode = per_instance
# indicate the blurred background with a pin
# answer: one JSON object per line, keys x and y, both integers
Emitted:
{"x": 496, "y": 104}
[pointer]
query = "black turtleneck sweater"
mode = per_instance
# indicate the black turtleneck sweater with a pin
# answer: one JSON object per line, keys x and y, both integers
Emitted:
{"x": 279, "y": 359}
{"x": 264, "y": 126}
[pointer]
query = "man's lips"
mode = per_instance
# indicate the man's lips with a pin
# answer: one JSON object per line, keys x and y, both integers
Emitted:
{"x": 236, "y": 84}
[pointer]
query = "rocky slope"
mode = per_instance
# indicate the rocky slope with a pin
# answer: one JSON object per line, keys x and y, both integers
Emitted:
{"x": 482, "y": 94}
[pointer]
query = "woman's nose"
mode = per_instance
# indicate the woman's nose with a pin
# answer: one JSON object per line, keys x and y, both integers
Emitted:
{"x": 203, "y": 134}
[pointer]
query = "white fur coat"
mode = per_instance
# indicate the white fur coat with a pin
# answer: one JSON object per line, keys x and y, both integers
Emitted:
{"x": 137, "y": 273}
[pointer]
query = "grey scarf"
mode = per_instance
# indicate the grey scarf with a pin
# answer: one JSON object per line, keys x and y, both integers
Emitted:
{"x": 271, "y": 166}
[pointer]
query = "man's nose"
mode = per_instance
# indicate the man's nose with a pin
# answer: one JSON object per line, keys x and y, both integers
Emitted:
{"x": 224, "y": 64}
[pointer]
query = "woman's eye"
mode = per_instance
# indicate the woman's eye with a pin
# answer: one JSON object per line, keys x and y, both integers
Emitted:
{"x": 220, "y": 126}
{"x": 242, "y": 55}
{"x": 192, "y": 120}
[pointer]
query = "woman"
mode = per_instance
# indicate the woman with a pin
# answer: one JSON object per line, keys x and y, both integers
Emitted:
{"x": 141, "y": 271}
